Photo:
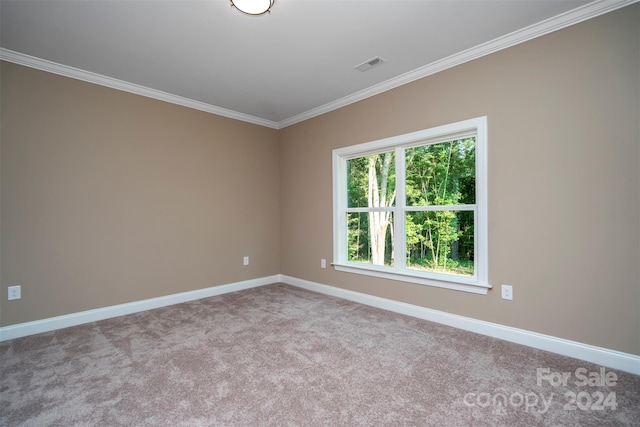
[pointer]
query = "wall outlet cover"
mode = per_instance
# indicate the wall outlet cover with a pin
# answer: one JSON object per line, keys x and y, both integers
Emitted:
{"x": 14, "y": 292}
{"x": 507, "y": 292}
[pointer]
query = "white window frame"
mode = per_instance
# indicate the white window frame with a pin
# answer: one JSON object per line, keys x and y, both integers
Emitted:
{"x": 479, "y": 283}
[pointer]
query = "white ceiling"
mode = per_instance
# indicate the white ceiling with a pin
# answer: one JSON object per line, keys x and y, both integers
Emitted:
{"x": 275, "y": 69}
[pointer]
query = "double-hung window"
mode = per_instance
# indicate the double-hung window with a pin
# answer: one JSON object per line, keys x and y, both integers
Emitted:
{"x": 414, "y": 207}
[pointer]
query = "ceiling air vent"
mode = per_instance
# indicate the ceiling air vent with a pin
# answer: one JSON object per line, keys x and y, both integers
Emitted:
{"x": 367, "y": 65}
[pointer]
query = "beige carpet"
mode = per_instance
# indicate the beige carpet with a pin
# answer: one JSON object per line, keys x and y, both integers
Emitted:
{"x": 282, "y": 356}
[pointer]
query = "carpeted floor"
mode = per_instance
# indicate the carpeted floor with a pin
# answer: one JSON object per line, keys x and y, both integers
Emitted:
{"x": 282, "y": 356}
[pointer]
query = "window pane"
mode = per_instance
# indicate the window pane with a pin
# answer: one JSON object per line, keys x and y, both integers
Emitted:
{"x": 441, "y": 241}
{"x": 371, "y": 181}
{"x": 441, "y": 174}
{"x": 369, "y": 237}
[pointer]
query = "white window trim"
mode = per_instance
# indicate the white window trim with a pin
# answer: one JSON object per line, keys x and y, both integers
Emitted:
{"x": 479, "y": 283}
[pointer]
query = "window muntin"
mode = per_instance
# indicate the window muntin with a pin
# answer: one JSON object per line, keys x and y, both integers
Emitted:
{"x": 413, "y": 207}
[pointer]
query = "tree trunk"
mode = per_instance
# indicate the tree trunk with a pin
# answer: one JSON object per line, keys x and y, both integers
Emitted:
{"x": 377, "y": 197}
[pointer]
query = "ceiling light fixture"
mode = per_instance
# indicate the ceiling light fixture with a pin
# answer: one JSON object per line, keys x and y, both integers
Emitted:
{"x": 253, "y": 7}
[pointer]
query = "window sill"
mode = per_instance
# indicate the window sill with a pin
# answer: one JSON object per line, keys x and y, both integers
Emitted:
{"x": 447, "y": 282}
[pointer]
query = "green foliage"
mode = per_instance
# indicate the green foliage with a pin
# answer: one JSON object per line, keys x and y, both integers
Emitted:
{"x": 357, "y": 182}
{"x": 358, "y": 179}
{"x": 440, "y": 175}
{"x": 439, "y": 236}
{"x": 358, "y": 238}
{"x": 456, "y": 266}
{"x": 371, "y": 183}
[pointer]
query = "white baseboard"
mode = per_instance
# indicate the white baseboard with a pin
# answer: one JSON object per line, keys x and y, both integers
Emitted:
{"x": 59, "y": 322}
{"x": 598, "y": 355}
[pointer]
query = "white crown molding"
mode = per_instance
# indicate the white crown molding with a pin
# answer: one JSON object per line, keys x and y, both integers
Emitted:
{"x": 88, "y": 76}
{"x": 577, "y": 350}
{"x": 572, "y": 17}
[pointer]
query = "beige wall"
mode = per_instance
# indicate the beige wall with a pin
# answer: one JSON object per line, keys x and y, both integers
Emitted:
{"x": 564, "y": 184}
{"x": 109, "y": 197}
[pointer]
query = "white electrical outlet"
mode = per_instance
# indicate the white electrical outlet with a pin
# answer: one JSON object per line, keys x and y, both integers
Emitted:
{"x": 245, "y": 261}
{"x": 14, "y": 292}
{"x": 507, "y": 292}
{"x": 323, "y": 263}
